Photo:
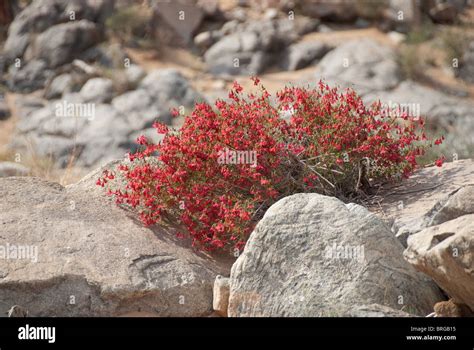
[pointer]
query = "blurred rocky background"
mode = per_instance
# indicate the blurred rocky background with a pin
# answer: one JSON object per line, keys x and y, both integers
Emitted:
{"x": 80, "y": 80}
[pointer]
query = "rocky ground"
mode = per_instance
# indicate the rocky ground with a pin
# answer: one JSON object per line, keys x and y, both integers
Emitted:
{"x": 311, "y": 255}
{"x": 81, "y": 80}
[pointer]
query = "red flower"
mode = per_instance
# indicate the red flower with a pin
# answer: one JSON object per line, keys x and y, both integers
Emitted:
{"x": 208, "y": 175}
{"x": 160, "y": 128}
{"x": 439, "y": 141}
{"x": 255, "y": 80}
{"x": 174, "y": 112}
{"x": 142, "y": 140}
{"x": 439, "y": 162}
{"x": 237, "y": 87}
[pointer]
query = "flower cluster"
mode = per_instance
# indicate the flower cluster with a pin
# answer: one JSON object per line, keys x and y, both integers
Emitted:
{"x": 312, "y": 140}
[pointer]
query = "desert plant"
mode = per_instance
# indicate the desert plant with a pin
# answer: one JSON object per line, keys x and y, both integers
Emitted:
{"x": 454, "y": 43}
{"x": 225, "y": 166}
{"x": 372, "y": 9}
{"x": 129, "y": 21}
{"x": 411, "y": 62}
{"x": 422, "y": 33}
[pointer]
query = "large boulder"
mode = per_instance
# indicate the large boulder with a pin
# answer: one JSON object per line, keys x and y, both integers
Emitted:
{"x": 140, "y": 109}
{"x": 43, "y": 14}
{"x": 157, "y": 93}
{"x": 302, "y": 54}
{"x": 362, "y": 64}
{"x": 72, "y": 252}
{"x": 48, "y": 34}
{"x": 62, "y": 43}
{"x": 248, "y": 48}
{"x": 29, "y": 77}
{"x": 313, "y": 255}
{"x": 445, "y": 252}
{"x": 182, "y": 17}
{"x": 104, "y": 137}
{"x": 99, "y": 90}
{"x": 168, "y": 89}
{"x": 431, "y": 196}
{"x": 61, "y": 84}
{"x": 37, "y": 17}
{"x": 239, "y": 53}
{"x": 403, "y": 15}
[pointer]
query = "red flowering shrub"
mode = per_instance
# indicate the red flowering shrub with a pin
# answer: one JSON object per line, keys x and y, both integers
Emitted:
{"x": 225, "y": 166}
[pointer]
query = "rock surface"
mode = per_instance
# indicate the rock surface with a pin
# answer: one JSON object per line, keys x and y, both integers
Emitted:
{"x": 403, "y": 15}
{"x": 49, "y": 33}
{"x": 35, "y": 18}
{"x": 61, "y": 84}
{"x": 302, "y": 54}
{"x": 184, "y": 18}
{"x": 170, "y": 89}
{"x": 13, "y": 169}
{"x": 445, "y": 252}
{"x": 430, "y": 196}
{"x": 236, "y": 54}
{"x": 97, "y": 90}
{"x": 456, "y": 204}
{"x": 43, "y": 14}
{"x": 107, "y": 55}
{"x": 220, "y": 301}
{"x": 376, "y": 310}
{"x": 247, "y": 48}
{"x": 64, "y": 42}
{"x": 313, "y": 255}
{"x": 29, "y": 77}
{"x": 364, "y": 65}
{"x": 95, "y": 131}
{"x": 84, "y": 256}
{"x": 134, "y": 74}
